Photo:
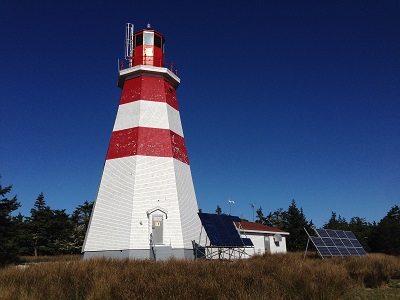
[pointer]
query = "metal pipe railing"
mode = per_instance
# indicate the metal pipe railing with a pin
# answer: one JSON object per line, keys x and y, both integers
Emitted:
{"x": 128, "y": 63}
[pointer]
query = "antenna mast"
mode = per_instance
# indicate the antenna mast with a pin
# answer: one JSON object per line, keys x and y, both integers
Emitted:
{"x": 129, "y": 43}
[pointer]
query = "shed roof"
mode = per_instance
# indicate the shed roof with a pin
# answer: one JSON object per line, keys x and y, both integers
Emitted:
{"x": 257, "y": 227}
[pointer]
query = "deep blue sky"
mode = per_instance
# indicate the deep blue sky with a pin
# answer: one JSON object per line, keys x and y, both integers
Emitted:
{"x": 279, "y": 100}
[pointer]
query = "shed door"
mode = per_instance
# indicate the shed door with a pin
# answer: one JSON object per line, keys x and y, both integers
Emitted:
{"x": 157, "y": 229}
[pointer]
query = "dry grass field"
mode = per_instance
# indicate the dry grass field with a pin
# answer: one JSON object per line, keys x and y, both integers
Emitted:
{"x": 288, "y": 276}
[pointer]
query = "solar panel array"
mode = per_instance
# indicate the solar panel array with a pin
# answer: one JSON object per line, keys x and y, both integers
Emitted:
{"x": 222, "y": 232}
{"x": 331, "y": 242}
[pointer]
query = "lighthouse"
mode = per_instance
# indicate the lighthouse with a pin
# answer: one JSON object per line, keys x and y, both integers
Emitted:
{"x": 146, "y": 206}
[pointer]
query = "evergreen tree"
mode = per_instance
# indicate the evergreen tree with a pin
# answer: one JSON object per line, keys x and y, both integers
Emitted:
{"x": 362, "y": 231}
{"x": 8, "y": 248}
{"x": 386, "y": 235}
{"x": 59, "y": 234}
{"x": 49, "y": 229}
{"x": 80, "y": 220}
{"x": 23, "y": 235}
{"x": 276, "y": 219}
{"x": 336, "y": 223}
{"x": 260, "y": 216}
{"x": 38, "y": 226}
{"x": 218, "y": 211}
{"x": 294, "y": 222}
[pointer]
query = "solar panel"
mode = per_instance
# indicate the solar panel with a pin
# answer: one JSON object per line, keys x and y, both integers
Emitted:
{"x": 322, "y": 232}
{"x": 343, "y": 251}
{"x": 247, "y": 242}
{"x": 347, "y": 243}
{"x": 329, "y": 242}
{"x": 222, "y": 231}
{"x": 338, "y": 243}
{"x": 361, "y": 251}
{"x": 350, "y": 235}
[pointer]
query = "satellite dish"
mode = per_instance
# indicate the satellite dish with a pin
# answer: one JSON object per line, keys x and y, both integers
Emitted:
{"x": 277, "y": 237}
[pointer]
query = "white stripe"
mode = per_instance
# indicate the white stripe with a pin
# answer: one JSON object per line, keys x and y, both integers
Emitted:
{"x": 150, "y": 114}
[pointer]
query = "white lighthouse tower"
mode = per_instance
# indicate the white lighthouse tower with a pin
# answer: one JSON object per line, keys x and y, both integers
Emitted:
{"x": 146, "y": 204}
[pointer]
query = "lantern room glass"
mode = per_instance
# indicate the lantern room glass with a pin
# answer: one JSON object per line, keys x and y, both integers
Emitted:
{"x": 148, "y": 38}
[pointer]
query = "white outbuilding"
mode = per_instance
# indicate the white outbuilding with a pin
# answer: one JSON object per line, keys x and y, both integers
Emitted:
{"x": 265, "y": 239}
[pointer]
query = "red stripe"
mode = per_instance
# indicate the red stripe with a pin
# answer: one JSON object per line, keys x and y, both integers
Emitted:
{"x": 149, "y": 88}
{"x": 148, "y": 142}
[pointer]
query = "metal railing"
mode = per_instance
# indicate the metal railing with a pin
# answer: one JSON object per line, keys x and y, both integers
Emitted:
{"x": 128, "y": 63}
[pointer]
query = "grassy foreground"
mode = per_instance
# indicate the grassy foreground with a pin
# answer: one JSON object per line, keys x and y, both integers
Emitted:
{"x": 275, "y": 277}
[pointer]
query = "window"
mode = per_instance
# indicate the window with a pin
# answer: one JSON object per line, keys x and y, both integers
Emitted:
{"x": 157, "y": 41}
{"x": 148, "y": 38}
{"x": 139, "y": 40}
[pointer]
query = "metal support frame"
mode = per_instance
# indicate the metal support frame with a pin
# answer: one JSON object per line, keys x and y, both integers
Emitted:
{"x": 308, "y": 242}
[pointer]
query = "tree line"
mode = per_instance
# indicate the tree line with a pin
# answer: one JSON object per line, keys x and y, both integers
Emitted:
{"x": 383, "y": 237}
{"x": 45, "y": 231}
{"x": 49, "y": 231}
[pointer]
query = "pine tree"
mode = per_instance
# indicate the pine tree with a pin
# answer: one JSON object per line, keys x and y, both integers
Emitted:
{"x": 276, "y": 219}
{"x": 336, "y": 223}
{"x": 218, "y": 211}
{"x": 49, "y": 229}
{"x": 80, "y": 221}
{"x": 23, "y": 235}
{"x": 8, "y": 248}
{"x": 38, "y": 226}
{"x": 260, "y": 216}
{"x": 386, "y": 236}
{"x": 362, "y": 231}
{"x": 60, "y": 228}
{"x": 295, "y": 222}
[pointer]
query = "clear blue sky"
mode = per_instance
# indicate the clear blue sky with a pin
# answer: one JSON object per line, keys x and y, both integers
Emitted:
{"x": 279, "y": 100}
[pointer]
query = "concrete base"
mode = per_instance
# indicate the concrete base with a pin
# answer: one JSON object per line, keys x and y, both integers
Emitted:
{"x": 141, "y": 254}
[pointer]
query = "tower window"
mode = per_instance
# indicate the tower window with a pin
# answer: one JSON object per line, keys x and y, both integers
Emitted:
{"x": 139, "y": 40}
{"x": 157, "y": 41}
{"x": 149, "y": 38}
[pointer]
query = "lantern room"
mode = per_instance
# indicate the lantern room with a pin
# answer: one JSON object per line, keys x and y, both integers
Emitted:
{"x": 148, "y": 48}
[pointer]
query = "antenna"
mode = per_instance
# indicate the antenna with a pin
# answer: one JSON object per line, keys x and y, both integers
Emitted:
{"x": 129, "y": 43}
{"x": 230, "y": 205}
{"x": 252, "y": 207}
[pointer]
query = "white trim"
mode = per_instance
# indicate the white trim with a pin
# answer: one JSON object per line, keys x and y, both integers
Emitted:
{"x": 147, "y": 70}
{"x": 264, "y": 231}
{"x": 157, "y": 208}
